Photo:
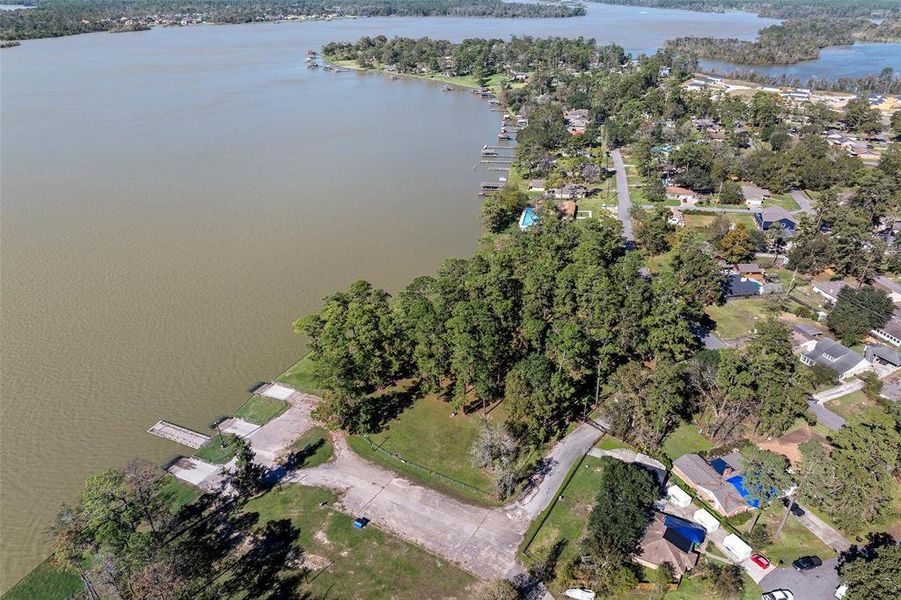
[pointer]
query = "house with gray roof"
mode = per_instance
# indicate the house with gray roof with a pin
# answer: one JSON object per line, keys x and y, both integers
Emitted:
{"x": 878, "y": 354}
{"x": 776, "y": 215}
{"x": 829, "y": 289}
{"x": 889, "y": 286}
{"x": 830, "y": 353}
{"x": 711, "y": 484}
{"x": 891, "y": 331}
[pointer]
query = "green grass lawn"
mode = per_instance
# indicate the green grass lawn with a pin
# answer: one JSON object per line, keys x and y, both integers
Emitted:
{"x": 783, "y": 200}
{"x": 608, "y": 442}
{"x": 365, "y": 563}
{"x": 426, "y": 434}
{"x": 794, "y": 542}
{"x": 567, "y": 518}
{"x": 685, "y": 440}
{"x": 856, "y": 407}
{"x": 214, "y": 452}
{"x": 694, "y": 588}
{"x": 300, "y": 377}
{"x": 259, "y": 410}
{"x": 736, "y": 317}
{"x": 45, "y": 582}
{"x": 320, "y": 441}
{"x": 178, "y": 494}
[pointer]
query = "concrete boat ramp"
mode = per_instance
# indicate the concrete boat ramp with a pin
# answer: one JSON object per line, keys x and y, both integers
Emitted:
{"x": 178, "y": 434}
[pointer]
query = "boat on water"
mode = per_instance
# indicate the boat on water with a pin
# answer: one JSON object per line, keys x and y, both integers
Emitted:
{"x": 503, "y": 135}
{"x": 447, "y": 88}
{"x": 312, "y": 66}
{"x": 486, "y": 151}
{"x": 312, "y": 53}
{"x": 327, "y": 68}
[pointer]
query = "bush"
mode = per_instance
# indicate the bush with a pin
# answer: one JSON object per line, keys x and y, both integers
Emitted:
{"x": 804, "y": 313}
{"x": 759, "y": 536}
{"x": 872, "y": 386}
{"x": 823, "y": 375}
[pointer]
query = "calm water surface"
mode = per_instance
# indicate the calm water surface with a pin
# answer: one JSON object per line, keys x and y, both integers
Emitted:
{"x": 172, "y": 199}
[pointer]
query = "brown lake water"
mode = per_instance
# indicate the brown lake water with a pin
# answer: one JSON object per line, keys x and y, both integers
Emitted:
{"x": 173, "y": 199}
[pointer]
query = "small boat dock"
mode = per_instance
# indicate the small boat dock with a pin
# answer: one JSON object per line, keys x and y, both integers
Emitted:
{"x": 177, "y": 433}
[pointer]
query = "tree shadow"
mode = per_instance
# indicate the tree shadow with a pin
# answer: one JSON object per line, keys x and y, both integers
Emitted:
{"x": 291, "y": 462}
{"x": 375, "y": 412}
{"x": 270, "y": 567}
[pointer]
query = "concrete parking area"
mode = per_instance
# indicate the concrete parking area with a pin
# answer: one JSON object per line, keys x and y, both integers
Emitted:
{"x": 815, "y": 584}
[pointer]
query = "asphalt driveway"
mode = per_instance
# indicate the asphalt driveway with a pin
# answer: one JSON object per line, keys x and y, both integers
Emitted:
{"x": 816, "y": 584}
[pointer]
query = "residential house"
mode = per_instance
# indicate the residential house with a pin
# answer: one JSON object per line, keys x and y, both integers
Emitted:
{"x": 774, "y": 215}
{"x": 878, "y": 354}
{"x": 801, "y": 333}
{"x": 576, "y": 120}
{"x": 750, "y": 271}
{"x": 714, "y": 484}
{"x": 829, "y": 289}
{"x": 672, "y": 540}
{"x": 685, "y": 196}
{"x": 569, "y": 191}
{"x": 891, "y": 331}
{"x": 742, "y": 287}
{"x": 754, "y": 195}
{"x": 830, "y": 353}
{"x": 890, "y": 286}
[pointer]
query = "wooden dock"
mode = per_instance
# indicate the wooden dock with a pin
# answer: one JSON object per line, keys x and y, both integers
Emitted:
{"x": 177, "y": 433}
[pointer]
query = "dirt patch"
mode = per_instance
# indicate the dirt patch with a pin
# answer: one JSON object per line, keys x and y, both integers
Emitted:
{"x": 788, "y": 444}
{"x": 321, "y": 537}
{"x": 313, "y": 562}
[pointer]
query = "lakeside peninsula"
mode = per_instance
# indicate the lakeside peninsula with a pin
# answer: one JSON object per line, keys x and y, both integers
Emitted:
{"x": 499, "y": 427}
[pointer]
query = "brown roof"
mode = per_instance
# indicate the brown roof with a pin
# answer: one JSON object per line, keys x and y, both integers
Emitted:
{"x": 657, "y": 548}
{"x": 567, "y": 208}
{"x": 698, "y": 473}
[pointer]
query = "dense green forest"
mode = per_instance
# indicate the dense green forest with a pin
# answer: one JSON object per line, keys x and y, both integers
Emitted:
{"x": 791, "y": 42}
{"x": 54, "y": 18}
{"x": 477, "y": 56}
{"x": 779, "y": 9}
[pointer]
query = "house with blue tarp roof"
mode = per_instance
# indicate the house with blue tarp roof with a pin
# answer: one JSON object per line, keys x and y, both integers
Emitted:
{"x": 711, "y": 480}
{"x": 672, "y": 540}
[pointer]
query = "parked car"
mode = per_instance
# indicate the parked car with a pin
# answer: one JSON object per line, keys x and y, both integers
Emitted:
{"x": 778, "y": 595}
{"x": 841, "y": 590}
{"x": 795, "y": 509}
{"x": 805, "y": 563}
{"x": 760, "y": 560}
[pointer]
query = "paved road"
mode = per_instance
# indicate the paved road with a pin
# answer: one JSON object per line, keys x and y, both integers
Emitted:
{"x": 829, "y": 419}
{"x": 483, "y": 541}
{"x": 839, "y": 391}
{"x": 624, "y": 203}
{"x": 816, "y": 584}
{"x": 824, "y": 531}
{"x": 803, "y": 201}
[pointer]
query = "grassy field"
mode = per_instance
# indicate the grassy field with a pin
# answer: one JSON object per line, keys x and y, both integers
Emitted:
{"x": 259, "y": 410}
{"x": 685, "y": 440}
{"x": 794, "y": 542}
{"x": 178, "y": 494}
{"x": 736, "y": 317}
{"x": 214, "y": 452}
{"x": 856, "y": 407}
{"x": 45, "y": 582}
{"x": 357, "y": 563}
{"x": 426, "y": 434}
{"x": 318, "y": 440}
{"x": 568, "y": 516}
{"x": 300, "y": 377}
{"x": 694, "y": 588}
{"x": 783, "y": 200}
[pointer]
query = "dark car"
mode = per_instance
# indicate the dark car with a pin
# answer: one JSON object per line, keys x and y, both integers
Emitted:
{"x": 795, "y": 509}
{"x": 805, "y": 563}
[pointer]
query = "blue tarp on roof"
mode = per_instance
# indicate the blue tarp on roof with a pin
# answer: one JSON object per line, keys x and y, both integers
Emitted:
{"x": 719, "y": 465}
{"x": 738, "y": 483}
{"x": 692, "y": 532}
